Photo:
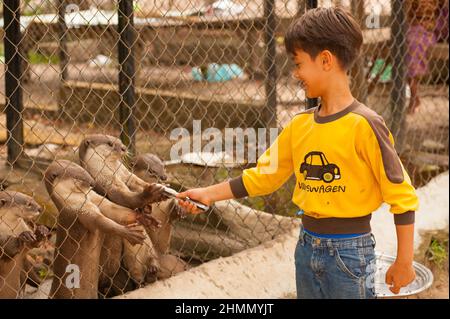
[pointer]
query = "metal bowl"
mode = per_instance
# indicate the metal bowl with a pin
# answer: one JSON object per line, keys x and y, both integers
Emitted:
{"x": 423, "y": 281}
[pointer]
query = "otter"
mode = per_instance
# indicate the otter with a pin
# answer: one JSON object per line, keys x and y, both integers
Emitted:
{"x": 171, "y": 265}
{"x": 84, "y": 219}
{"x": 18, "y": 234}
{"x": 151, "y": 169}
{"x": 125, "y": 267}
{"x": 129, "y": 261}
{"x": 101, "y": 155}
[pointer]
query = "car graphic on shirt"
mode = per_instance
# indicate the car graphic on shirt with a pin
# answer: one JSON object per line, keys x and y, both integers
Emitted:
{"x": 316, "y": 167}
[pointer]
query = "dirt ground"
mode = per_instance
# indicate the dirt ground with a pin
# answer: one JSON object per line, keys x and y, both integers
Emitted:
{"x": 440, "y": 287}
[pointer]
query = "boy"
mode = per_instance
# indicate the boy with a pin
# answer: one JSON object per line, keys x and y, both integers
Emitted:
{"x": 345, "y": 164}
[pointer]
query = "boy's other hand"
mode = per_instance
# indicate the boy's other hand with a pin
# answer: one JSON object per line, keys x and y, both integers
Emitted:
{"x": 399, "y": 275}
{"x": 198, "y": 194}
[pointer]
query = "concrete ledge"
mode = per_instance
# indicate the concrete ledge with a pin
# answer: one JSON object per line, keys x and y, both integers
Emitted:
{"x": 266, "y": 271}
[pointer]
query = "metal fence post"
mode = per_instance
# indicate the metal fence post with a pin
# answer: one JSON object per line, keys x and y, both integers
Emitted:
{"x": 62, "y": 38}
{"x": 358, "y": 77}
{"x": 398, "y": 53}
{"x": 13, "y": 75}
{"x": 270, "y": 62}
{"x": 310, "y": 103}
{"x": 270, "y": 114}
{"x": 127, "y": 38}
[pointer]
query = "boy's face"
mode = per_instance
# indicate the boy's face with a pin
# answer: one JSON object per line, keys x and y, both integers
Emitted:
{"x": 310, "y": 72}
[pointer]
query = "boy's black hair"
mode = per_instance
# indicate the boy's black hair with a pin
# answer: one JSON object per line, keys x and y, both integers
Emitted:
{"x": 332, "y": 29}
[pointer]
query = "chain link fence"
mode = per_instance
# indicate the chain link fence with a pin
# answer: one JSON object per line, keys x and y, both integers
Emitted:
{"x": 165, "y": 76}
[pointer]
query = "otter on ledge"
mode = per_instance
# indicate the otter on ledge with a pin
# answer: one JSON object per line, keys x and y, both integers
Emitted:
{"x": 18, "y": 234}
{"x": 84, "y": 219}
{"x": 101, "y": 156}
{"x": 151, "y": 168}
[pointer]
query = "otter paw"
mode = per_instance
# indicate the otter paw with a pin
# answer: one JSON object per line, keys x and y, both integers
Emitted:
{"x": 151, "y": 275}
{"x": 27, "y": 237}
{"x": 133, "y": 233}
{"x": 147, "y": 209}
{"x": 178, "y": 212}
{"x": 155, "y": 193}
{"x": 42, "y": 232}
{"x": 148, "y": 221}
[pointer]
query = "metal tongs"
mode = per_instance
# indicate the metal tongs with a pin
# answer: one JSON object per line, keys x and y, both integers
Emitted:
{"x": 170, "y": 192}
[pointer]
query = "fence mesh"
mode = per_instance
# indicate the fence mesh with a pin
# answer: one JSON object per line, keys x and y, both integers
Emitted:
{"x": 158, "y": 74}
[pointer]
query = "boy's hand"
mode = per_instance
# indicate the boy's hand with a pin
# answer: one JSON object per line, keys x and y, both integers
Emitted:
{"x": 198, "y": 194}
{"x": 399, "y": 275}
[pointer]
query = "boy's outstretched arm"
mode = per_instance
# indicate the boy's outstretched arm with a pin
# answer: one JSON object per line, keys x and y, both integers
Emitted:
{"x": 401, "y": 273}
{"x": 272, "y": 170}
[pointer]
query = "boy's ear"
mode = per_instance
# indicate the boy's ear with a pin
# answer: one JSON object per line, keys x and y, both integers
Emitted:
{"x": 326, "y": 60}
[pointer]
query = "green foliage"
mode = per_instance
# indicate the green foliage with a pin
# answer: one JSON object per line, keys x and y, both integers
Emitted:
{"x": 43, "y": 273}
{"x": 438, "y": 251}
{"x": 38, "y": 58}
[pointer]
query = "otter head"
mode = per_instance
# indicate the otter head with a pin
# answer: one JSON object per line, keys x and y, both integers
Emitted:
{"x": 149, "y": 167}
{"x": 105, "y": 146}
{"x": 20, "y": 205}
{"x": 69, "y": 175}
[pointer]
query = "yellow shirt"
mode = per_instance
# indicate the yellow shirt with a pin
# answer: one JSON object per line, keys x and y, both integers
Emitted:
{"x": 345, "y": 165}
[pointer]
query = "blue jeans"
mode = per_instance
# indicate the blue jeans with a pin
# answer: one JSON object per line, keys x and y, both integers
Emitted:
{"x": 335, "y": 268}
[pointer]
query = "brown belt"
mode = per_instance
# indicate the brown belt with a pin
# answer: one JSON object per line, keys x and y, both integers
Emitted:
{"x": 356, "y": 225}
